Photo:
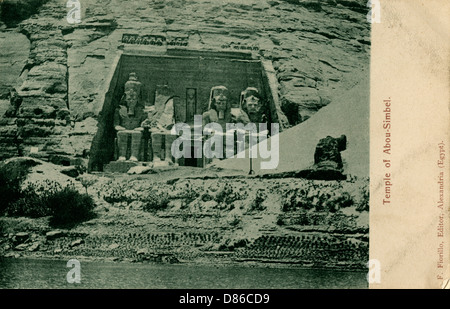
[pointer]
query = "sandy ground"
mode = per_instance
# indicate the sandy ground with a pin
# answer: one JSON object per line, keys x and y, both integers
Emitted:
{"x": 348, "y": 114}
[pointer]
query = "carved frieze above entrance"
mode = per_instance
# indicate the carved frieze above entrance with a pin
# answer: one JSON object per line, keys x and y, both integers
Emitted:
{"x": 240, "y": 46}
{"x": 155, "y": 39}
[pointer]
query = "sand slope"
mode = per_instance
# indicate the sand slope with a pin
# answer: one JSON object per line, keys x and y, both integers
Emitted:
{"x": 348, "y": 114}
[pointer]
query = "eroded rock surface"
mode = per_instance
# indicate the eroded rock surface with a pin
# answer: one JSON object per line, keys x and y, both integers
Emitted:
{"x": 316, "y": 49}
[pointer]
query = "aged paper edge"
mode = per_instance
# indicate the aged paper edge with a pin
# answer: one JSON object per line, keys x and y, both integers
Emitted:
{"x": 409, "y": 232}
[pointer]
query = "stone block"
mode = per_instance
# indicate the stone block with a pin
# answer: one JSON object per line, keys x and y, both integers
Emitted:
{"x": 21, "y": 247}
{"x": 119, "y": 166}
{"x": 76, "y": 243}
{"x": 70, "y": 171}
{"x": 139, "y": 170}
{"x": 54, "y": 234}
{"x": 34, "y": 247}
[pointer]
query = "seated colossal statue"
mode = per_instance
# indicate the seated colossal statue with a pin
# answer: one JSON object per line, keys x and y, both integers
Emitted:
{"x": 128, "y": 117}
{"x": 252, "y": 104}
{"x": 220, "y": 109}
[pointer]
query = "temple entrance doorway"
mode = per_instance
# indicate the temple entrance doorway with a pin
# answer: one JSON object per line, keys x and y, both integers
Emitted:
{"x": 192, "y": 161}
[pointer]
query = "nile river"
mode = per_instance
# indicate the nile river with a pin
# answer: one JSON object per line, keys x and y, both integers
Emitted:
{"x": 34, "y": 273}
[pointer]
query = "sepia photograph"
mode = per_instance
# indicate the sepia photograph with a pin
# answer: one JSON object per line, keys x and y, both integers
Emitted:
{"x": 186, "y": 144}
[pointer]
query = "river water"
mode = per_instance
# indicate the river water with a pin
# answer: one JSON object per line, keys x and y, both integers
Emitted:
{"x": 37, "y": 273}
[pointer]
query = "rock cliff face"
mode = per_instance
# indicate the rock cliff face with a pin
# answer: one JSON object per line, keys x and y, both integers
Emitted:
{"x": 60, "y": 70}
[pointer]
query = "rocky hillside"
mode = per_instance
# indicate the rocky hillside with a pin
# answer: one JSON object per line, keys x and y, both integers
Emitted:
{"x": 59, "y": 69}
{"x": 213, "y": 218}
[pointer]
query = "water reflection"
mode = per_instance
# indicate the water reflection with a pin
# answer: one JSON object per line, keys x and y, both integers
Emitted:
{"x": 32, "y": 273}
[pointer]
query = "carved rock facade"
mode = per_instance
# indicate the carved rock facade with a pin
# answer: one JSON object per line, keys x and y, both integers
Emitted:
{"x": 64, "y": 80}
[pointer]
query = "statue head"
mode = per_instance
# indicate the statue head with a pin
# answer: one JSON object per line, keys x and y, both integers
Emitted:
{"x": 328, "y": 150}
{"x": 132, "y": 76}
{"x": 218, "y": 100}
{"x": 251, "y": 101}
{"x": 132, "y": 89}
{"x": 190, "y": 93}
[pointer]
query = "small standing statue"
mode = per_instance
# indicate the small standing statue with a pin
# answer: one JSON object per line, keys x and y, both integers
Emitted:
{"x": 128, "y": 118}
{"x": 191, "y": 103}
{"x": 159, "y": 122}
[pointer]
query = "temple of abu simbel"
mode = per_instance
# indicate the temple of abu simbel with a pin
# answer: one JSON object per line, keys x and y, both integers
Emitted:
{"x": 155, "y": 84}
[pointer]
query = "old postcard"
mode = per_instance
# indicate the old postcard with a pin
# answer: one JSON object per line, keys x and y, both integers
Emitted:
{"x": 409, "y": 214}
{"x": 203, "y": 144}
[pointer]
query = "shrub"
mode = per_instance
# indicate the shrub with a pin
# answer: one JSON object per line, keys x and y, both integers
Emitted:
{"x": 342, "y": 222}
{"x": 87, "y": 181}
{"x": 228, "y": 195}
{"x": 68, "y": 207}
{"x": 34, "y": 200}
{"x": 155, "y": 201}
{"x": 301, "y": 219}
{"x": 280, "y": 220}
{"x": 234, "y": 220}
{"x": 363, "y": 204}
{"x": 330, "y": 197}
{"x": 116, "y": 192}
{"x": 294, "y": 199}
{"x": 47, "y": 198}
{"x": 206, "y": 197}
{"x": 257, "y": 202}
{"x": 316, "y": 218}
{"x": 12, "y": 175}
{"x": 29, "y": 206}
{"x": 188, "y": 195}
